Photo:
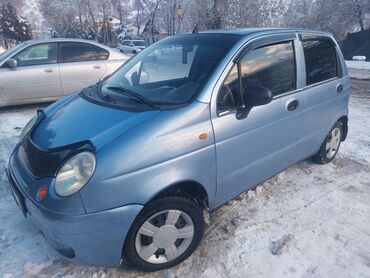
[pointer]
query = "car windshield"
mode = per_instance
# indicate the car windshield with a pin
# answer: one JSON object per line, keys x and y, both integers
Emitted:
{"x": 169, "y": 72}
{"x": 11, "y": 51}
{"x": 139, "y": 43}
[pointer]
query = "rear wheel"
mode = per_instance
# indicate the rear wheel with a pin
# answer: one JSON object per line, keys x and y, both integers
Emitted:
{"x": 166, "y": 232}
{"x": 330, "y": 147}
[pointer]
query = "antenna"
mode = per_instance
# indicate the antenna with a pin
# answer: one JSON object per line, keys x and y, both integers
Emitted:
{"x": 195, "y": 30}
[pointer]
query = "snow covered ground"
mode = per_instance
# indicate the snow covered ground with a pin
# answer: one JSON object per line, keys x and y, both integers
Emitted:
{"x": 359, "y": 69}
{"x": 309, "y": 221}
{"x": 2, "y": 49}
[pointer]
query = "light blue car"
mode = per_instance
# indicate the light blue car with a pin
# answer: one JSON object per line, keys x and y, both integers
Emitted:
{"x": 124, "y": 170}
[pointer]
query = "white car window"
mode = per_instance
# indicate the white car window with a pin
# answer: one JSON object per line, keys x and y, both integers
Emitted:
{"x": 46, "y": 53}
{"x": 139, "y": 43}
{"x": 81, "y": 52}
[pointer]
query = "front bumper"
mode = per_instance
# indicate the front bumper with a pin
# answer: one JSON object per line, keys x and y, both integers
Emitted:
{"x": 88, "y": 239}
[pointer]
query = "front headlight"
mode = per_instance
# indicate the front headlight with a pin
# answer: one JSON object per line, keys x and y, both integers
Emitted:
{"x": 28, "y": 126}
{"x": 75, "y": 173}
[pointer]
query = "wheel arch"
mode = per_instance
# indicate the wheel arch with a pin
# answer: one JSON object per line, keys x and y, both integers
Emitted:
{"x": 187, "y": 188}
{"x": 344, "y": 121}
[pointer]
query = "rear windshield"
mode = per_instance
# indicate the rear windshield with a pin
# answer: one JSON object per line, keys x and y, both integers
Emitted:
{"x": 169, "y": 72}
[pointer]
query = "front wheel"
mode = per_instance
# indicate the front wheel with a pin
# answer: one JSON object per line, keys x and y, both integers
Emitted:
{"x": 330, "y": 147}
{"x": 165, "y": 233}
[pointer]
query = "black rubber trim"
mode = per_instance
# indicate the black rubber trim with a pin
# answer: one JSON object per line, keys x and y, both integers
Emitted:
{"x": 41, "y": 163}
{"x": 265, "y": 40}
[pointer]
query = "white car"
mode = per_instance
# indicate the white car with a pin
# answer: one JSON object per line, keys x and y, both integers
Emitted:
{"x": 46, "y": 70}
{"x": 132, "y": 46}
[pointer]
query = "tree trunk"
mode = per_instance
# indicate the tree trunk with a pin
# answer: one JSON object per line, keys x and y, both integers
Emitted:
{"x": 120, "y": 13}
{"x": 173, "y": 20}
{"x": 359, "y": 14}
{"x": 80, "y": 12}
{"x": 153, "y": 18}
{"x": 91, "y": 14}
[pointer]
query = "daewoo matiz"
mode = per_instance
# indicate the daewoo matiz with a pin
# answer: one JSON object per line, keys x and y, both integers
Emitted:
{"x": 125, "y": 169}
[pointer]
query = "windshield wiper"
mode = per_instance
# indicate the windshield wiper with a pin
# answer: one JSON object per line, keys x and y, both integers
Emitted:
{"x": 133, "y": 95}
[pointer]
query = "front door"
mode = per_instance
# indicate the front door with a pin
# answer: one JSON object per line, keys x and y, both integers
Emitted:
{"x": 252, "y": 149}
{"x": 36, "y": 75}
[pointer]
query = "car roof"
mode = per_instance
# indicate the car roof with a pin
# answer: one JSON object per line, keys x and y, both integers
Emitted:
{"x": 64, "y": 40}
{"x": 261, "y": 31}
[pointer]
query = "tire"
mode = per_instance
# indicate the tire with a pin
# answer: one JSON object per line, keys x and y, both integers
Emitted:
{"x": 329, "y": 148}
{"x": 134, "y": 52}
{"x": 155, "y": 231}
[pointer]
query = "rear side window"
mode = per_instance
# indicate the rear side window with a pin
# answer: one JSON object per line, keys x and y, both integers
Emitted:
{"x": 271, "y": 66}
{"x": 80, "y": 52}
{"x": 321, "y": 60}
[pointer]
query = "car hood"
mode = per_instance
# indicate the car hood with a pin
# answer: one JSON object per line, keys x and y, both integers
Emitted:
{"x": 75, "y": 119}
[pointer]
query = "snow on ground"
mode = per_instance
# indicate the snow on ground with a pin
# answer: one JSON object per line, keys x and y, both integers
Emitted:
{"x": 359, "y": 69}
{"x": 2, "y": 50}
{"x": 308, "y": 221}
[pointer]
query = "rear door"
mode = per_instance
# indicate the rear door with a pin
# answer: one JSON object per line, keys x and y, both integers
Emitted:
{"x": 257, "y": 147}
{"x": 81, "y": 65}
{"x": 35, "y": 76}
{"x": 323, "y": 90}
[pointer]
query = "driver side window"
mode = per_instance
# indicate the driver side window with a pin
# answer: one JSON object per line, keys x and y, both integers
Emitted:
{"x": 39, "y": 54}
{"x": 229, "y": 95}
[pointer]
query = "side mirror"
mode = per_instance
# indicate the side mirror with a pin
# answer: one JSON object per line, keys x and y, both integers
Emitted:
{"x": 12, "y": 63}
{"x": 254, "y": 96}
{"x": 257, "y": 96}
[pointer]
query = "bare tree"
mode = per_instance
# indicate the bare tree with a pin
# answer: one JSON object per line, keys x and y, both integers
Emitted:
{"x": 359, "y": 13}
{"x": 91, "y": 13}
{"x": 118, "y": 6}
{"x": 152, "y": 7}
{"x": 214, "y": 16}
{"x": 139, "y": 14}
{"x": 105, "y": 31}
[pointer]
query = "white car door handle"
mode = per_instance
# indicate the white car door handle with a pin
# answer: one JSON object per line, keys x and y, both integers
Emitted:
{"x": 96, "y": 66}
{"x": 49, "y": 70}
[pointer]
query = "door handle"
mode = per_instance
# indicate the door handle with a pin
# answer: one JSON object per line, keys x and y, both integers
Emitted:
{"x": 49, "y": 70}
{"x": 96, "y": 66}
{"x": 339, "y": 88}
{"x": 292, "y": 105}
